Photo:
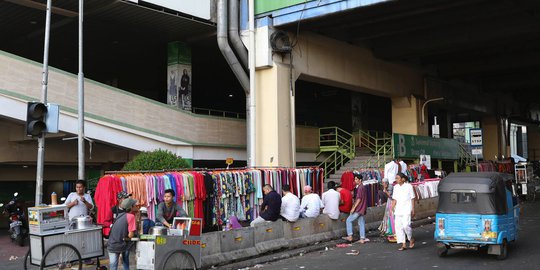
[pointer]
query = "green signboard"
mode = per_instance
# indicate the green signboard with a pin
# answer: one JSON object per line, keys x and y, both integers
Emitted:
{"x": 410, "y": 146}
{"x": 263, "y": 6}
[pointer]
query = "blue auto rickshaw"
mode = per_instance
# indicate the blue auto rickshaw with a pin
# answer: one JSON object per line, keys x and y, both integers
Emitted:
{"x": 476, "y": 210}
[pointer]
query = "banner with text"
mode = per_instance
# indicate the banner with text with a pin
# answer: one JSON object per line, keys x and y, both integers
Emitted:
{"x": 411, "y": 146}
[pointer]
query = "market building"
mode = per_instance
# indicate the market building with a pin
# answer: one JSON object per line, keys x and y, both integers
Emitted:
{"x": 156, "y": 77}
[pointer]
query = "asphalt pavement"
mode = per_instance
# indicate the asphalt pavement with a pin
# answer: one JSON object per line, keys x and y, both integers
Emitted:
{"x": 379, "y": 254}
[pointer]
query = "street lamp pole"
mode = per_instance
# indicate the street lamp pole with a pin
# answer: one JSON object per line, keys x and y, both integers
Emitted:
{"x": 80, "y": 91}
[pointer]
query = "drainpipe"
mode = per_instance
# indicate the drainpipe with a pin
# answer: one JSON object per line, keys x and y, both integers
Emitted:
{"x": 234, "y": 35}
{"x": 238, "y": 70}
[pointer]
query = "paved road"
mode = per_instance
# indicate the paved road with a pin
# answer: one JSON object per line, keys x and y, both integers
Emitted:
{"x": 524, "y": 254}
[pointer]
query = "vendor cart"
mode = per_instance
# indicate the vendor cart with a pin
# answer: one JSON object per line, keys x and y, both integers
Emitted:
{"x": 53, "y": 245}
{"x": 524, "y": 179}
{"x": 180, "y": 249}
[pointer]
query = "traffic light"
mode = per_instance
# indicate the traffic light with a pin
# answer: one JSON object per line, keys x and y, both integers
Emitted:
{"x": 35, "y": 119}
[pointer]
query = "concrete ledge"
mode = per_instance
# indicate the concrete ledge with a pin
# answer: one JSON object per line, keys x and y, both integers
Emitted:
{"x": 235, "y": 245}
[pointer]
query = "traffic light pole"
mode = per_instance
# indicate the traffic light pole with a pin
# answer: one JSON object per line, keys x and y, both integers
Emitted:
{"x": 81, "y": 97}
{"x": 44, "y": 83}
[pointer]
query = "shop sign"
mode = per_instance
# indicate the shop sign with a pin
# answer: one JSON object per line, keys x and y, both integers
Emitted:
{"x": 411, "y": 146}
{"x": 191, "y": 242}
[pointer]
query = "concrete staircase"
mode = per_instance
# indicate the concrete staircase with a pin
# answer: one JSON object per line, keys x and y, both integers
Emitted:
{"x": 363, "y": 156}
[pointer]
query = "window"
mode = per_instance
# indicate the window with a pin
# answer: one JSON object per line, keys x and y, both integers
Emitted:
{"x": 463, "y": 196}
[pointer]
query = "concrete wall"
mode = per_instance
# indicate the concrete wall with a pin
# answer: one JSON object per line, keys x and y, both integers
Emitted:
{"x": 229, "y": 246}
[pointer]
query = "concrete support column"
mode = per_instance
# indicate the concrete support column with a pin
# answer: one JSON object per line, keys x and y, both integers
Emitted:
{"x": 273, "y": 128}
{"x": 490, "y": 137}
{"x": 407, "y": 115}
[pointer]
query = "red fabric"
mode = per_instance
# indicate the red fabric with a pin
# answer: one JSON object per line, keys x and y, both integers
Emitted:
{"x": 105, "y": 198}
{"x": 347, "y": 181}
{"x": 132, "y": 225}
{"x": 346, "y": 197}
{"x": 200, "y": 195}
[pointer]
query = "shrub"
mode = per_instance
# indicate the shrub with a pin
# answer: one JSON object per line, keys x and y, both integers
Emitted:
{"x": 155, "y": 160}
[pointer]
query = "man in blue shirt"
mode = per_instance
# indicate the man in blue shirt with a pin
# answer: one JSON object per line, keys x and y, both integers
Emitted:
{"x": 270, "y": 207}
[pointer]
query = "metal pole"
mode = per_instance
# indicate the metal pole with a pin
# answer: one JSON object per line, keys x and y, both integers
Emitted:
{"x": 81, "y": 96}
{"x": 252, "y": 91}
{"x": 44, "y": 83}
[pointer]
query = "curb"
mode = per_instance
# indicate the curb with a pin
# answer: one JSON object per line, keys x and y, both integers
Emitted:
{"x": 289, "y": 253}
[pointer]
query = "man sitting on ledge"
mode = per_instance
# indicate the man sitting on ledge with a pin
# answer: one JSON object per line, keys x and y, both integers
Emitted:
{"x": 311, "y": 204}
{"x": 270, "y": 207}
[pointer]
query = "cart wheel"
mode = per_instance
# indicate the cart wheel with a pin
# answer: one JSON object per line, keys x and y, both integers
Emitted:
{"x": 179, "y": 259}
{"x": 65, "y": 256}
{"x": 27, "y": 262}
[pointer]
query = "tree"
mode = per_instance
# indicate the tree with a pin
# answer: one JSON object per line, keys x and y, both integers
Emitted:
{"x": 155, "y": 160}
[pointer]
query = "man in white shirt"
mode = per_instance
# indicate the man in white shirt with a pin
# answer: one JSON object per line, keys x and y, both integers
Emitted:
{"x": 79, "y": 202}
{"x": 290, "y": 205}
{"x": 403, "y": 207}
{"x": 311, "y": 204}
{"x": 330, "y": 200}
{"x": 391, "y": 169}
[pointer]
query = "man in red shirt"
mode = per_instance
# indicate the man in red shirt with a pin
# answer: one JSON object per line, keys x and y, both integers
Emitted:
{"x": 345, "y": 202}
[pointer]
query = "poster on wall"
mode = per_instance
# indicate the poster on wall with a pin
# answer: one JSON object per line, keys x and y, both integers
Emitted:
{"x": 356, "y": 109}
{"x": 426, "y": 160}
{"x": 179, "y": 76}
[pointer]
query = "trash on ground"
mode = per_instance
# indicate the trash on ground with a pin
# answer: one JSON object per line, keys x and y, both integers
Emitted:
{"x": 353, "y": 252}
{"x": 343, "y": 245}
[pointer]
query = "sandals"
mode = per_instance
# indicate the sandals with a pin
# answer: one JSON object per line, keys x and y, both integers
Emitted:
{"x": 363, "y": 241}
{"x": 411, "y": 244}
{"x": 402, "y": 248}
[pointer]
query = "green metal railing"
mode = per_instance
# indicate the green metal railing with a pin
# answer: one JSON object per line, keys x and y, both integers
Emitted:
{"x": 341, "y": 146}
{"x": 379, "y": 144}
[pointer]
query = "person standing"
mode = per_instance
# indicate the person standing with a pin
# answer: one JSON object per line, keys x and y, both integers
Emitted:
{"x": 116, "y": 210}
{"x": 402, "y": 166}
{"x": 168, "y": 209}
{"x": 270, "y": 208}
{"x": 311, "y": 204}
{"x": 123, "y": 229}
{"x": 290, "y": 205}
{"x": 403, "y": 208}
{"x": 330, "y": 200}
{"x": 345, "y": 202}
{"x": 358, "y": 211}
{"x": 79, "y": 202}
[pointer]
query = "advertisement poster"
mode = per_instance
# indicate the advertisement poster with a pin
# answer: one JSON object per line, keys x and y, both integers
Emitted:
{"x": 426, "y": 160}
{"x": 179, "y": 76}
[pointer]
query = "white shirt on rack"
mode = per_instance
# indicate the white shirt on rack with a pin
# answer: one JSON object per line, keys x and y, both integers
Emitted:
{"x": 330, "y": 200}
{"x": 290, "y": 207}
{"x": 391, "y": 169}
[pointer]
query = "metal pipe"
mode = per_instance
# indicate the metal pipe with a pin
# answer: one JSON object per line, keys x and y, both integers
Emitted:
{"x": 424, "y": 106}
{"x": 44, "y": 82}
{"x": 225, "y": 48}
{"x": 80, "y": 91}
{"x": 252, "y": 97}
{"x": 234, "y": 35}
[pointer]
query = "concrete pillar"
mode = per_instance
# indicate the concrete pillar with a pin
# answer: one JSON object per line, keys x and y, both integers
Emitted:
{"x": 407, "y": 116}
{"x": 490, "y": 137}
{"x": 273, "y": 116}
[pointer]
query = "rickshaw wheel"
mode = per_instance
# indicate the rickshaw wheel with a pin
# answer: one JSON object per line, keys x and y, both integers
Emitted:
{"x": 179, "y": 259}
{"x": 504, "y": 251}
{"x": 67, "y": 256}
{"x": 442, "y": 250}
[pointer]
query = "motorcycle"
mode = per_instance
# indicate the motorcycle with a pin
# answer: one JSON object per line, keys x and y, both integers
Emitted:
{"x": 17, "y": 226}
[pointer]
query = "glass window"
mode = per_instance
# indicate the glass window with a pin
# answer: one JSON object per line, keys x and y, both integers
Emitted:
{"x": 463, "y": 197}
